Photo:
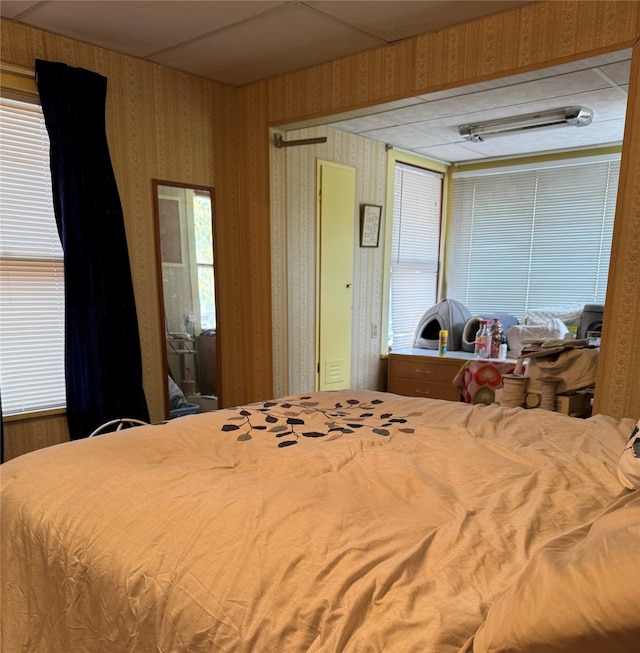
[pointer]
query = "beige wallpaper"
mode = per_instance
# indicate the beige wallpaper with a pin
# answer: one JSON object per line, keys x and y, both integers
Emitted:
{"x": 293, "y": 229}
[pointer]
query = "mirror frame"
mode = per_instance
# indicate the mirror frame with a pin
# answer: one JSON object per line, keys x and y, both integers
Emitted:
{"x": 160, "y": 295}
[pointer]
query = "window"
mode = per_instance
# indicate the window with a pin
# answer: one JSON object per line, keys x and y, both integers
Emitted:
{"x": 204, "y": 259}
{"x": 529, "y": 238}
{"x": 415, "y": 245}
{"x": 31, "y": 267}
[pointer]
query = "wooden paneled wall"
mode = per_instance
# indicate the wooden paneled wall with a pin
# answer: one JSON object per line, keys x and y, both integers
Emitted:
{"x": 168, "y": 125}
{"x": 22, "y": 436}
{"x": 618, "y": 379}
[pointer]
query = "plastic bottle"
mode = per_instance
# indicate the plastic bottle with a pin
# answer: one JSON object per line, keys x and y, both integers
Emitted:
{"x": 497, "y": 336}
{"x": 188, "y": 384}
{"x": 483, "y": 340}
{"x": 442, "y": 342}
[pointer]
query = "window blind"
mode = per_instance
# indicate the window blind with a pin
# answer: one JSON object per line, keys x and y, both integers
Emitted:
{"x": 534, "y": 238}
{"x": 415, "y": 245}
{"x": 31, "y": 267}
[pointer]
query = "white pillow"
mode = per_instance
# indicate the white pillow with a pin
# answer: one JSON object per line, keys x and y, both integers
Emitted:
{"x": 629, "y": 463}
{"x": 554, "y": 328}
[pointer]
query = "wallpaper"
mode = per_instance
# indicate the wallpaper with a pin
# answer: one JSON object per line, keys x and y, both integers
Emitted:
{"x": 293, "y": 227}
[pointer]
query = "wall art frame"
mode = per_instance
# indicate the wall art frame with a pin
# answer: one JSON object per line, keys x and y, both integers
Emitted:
{"x": 370, "y": 218}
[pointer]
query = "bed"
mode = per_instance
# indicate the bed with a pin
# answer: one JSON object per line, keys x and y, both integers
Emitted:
{"x": 348, "y": 521}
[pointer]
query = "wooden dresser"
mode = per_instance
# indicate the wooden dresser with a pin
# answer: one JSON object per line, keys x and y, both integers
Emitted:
{"x": 422, "y": 373}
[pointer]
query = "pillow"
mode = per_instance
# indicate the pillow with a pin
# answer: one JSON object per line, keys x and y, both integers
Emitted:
{"x": 579, "y": 592}
{"x": 629, "y": 463}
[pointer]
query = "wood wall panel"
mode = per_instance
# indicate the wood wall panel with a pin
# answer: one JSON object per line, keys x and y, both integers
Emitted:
{"x": 254, "y": 264}
{"x": 618, "y": 380}
{"x": 27, "y": 435}
{"x": 227, "y": 248}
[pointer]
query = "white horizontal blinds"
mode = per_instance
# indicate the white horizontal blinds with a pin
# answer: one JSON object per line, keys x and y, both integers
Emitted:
{"x": 415, "y": 244}
{"x": 490, "y": 241}
{"x": 532, "y": 238}
{"x": 569, "y": 261}
{"x": 31, "y": 267}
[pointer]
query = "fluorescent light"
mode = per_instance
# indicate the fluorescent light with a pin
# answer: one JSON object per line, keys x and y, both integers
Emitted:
{"x": 576, "y": 116}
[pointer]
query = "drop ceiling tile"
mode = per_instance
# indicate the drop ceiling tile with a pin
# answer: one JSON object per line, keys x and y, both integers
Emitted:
{"x": 618, "y": 72}
{"x": 12, "y": 8}
{"x": 137, "y": 27}
{"x": 508, "y": 100}
{"x": 623, "y": 57}
{"x": 393, "y": 21}
{"x": 450, "y": 153}
{"x": 368, "y": 123}
{"x": 413, "y": 136}
{"x": 538, "y": 141}
{"x": 294, "y": 36}
{"x": 465, "y": 90}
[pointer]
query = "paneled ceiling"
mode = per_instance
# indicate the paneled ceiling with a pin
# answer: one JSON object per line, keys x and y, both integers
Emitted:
{"x": 428, "y": 124}
{"x": 238, "y": 42}
{"x": 242, "y": 41}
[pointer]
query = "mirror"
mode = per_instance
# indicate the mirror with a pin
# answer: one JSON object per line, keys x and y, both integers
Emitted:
{"x": 185, "y": 251}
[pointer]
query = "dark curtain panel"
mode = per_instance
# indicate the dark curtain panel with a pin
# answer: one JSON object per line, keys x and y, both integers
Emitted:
{"x": 103, "y": 363}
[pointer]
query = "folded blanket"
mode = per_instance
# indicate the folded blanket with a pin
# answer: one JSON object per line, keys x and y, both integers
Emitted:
{"x": 575, "y": 368}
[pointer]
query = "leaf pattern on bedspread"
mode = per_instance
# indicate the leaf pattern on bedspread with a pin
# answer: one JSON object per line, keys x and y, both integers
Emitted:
{"x": 288, "y": 421}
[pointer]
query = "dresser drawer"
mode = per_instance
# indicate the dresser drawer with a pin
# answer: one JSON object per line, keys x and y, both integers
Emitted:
{"x": 424, "y": 369}
{"x": 424, "y": 374}
{"x": 412, "y": 388}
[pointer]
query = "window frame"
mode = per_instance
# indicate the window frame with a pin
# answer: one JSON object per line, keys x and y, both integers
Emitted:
{"x": 399, "y": 156}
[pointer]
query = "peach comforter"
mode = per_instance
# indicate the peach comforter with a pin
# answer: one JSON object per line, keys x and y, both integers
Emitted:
{"x": 328, "y": 522}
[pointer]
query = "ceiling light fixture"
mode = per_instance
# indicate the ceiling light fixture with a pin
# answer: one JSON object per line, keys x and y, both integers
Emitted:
{"x": 576, "y": 116}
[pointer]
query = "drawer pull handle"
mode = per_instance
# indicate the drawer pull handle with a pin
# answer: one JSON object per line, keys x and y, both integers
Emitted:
{"x": 419, "y": 371}
{"x": 422, "y": 392}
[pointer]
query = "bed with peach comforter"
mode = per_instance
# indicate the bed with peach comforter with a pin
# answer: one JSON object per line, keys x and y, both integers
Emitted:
{"x": 346, "y": 521}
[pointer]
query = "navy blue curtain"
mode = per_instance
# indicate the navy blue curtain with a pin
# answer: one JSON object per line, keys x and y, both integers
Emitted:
{"x": 103, "y": 363}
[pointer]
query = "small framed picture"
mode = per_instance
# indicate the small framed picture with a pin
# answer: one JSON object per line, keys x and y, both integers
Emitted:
{"x": 370, "y": 225}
